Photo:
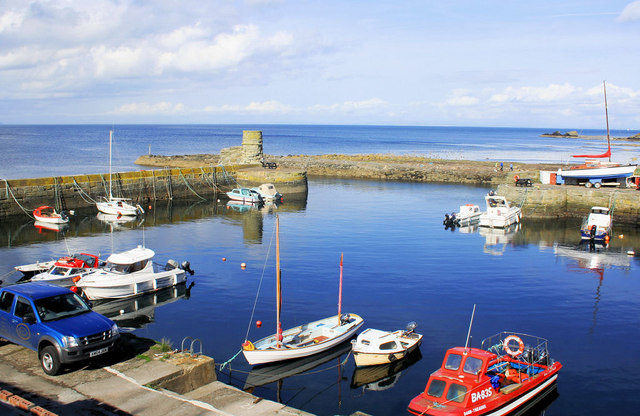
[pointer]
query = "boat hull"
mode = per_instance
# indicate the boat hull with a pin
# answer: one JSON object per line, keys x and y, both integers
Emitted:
{"x": 112, "y": 208}
{"x": 599, "y": 173}
{"x": 499, "y": 221}
{"x": 303, "y": 340}
{"x": 369, "y": 359}
{"x": 105, "y": 285}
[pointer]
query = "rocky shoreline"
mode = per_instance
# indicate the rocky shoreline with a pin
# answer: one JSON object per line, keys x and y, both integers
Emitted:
{"x": 378, "y": 167}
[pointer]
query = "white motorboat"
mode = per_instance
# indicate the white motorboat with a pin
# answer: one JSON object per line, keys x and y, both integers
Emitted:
{"x": 49, "y": 215}
{"x": 66, "y": 270}
{"x": 131, "y": 273}
{"x": 268, "y": 192}
{"x": 598, "y": 225}
{"x": 303, "y": 340}
{"x": 245, "y": 195}
{"x": 376, "y": 347}
{"x": 31, "y": 269}
{"x": 468, "y": 214}
{"x": 499, "y": 213}
{"x": 117, "y": 206}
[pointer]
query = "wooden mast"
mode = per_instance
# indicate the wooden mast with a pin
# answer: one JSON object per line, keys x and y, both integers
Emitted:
{"x": 340, "y": 291}
{"x": 606, "y": 113}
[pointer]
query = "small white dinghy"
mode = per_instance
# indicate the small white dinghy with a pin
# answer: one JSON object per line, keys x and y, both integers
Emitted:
{"x": 376, "y": 347}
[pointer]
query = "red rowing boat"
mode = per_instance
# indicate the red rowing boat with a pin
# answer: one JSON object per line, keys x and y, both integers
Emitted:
{"x": 508, "y": 375}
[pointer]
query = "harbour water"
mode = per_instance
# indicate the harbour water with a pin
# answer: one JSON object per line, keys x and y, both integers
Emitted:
{"x": 56, "y": 150}
{"x": 400, "y": 265}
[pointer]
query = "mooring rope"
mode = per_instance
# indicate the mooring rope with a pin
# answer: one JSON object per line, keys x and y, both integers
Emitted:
{"x": 189, "y": 186}
{"x": 14, "y": 198}
{"x": 82, "y": 192}
{"x": 223, "y": 365}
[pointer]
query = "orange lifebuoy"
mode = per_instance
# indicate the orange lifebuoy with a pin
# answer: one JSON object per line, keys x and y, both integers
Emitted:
{"x": 516, "y": 177}
{"x": 508, "y": 349}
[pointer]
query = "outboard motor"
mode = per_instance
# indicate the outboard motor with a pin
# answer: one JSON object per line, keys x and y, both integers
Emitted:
{"x": 171, "y": 264}
{"x": 592, "y": 232}
{"x": 446, "y": 221}
{"x": 63, "y": 215}
{"x": 411, "y": 326}
{"x": 186, "y": 266}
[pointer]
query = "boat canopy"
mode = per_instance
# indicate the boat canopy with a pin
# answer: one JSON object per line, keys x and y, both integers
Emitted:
{"x": 131, "y": 256}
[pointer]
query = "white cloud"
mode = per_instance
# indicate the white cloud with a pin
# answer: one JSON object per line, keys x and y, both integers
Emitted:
{"x": 11, "y": 20}
{"x": 271, "y": 106}
{"x": 162, "y": 107}
{"x": 350, "y": 106}
{"x": 630, "y": 13}
{"x": 553, "y": 92}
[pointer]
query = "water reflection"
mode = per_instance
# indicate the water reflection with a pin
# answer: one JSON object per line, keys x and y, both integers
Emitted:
{"x": 383, "y": 377}
{"x": 137, "y": 312}
{"x": 19, "y": 230}
{"x": 497, "y": 239}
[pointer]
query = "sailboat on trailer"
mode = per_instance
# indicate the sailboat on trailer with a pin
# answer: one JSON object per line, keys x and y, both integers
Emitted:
{"x": 117, "y": 206}
{"x": 303, "y": 340}
{"x": 596, "y": 170}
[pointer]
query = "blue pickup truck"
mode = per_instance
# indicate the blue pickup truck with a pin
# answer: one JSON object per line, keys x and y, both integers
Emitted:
{"x": 56, "y": 323}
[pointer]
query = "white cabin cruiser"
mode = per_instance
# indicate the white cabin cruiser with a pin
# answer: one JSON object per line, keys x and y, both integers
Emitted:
{"x": 268, "y": 192}
{"x": 469, "y": 214}
{"x": 131, "y": 273}
{"x": 376, "y": 347}
{"x": 598, "y": 225}
{"x": 499, "y": 213}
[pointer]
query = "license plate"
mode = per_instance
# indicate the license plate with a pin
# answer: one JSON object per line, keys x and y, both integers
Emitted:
{"x": 98, "y": 352}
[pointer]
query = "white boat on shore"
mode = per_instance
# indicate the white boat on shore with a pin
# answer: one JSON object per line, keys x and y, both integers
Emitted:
{"x": 376, "y": 347}
{"x": 131, "y": 273}
{"x": 499, "y": 214}
{"x": 303, "y": 340}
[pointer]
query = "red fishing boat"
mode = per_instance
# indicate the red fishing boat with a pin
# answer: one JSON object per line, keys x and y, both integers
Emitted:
{"x": 508, "y": 375}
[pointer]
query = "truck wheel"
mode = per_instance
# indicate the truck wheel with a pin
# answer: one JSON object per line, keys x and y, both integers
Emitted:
{"x": 597, "y": 185}
{"x": 49, "y": 360}
{"x": 588, "y": 185}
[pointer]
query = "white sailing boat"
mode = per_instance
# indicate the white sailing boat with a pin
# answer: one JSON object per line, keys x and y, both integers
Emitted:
{"x": 117, "y": 206}
{"x": 303, "y": 340}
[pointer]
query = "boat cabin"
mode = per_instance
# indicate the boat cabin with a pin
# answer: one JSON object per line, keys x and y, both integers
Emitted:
{"x": 456, "y": 382}
{"x": 130, "y": 261}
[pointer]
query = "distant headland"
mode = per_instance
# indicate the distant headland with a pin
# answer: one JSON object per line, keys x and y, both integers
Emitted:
{"x": 573, "y": 134}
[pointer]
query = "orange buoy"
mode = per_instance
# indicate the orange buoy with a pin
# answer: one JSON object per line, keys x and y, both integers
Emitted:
{"x": 607, "y": 238}
{"x": 224, "y": 259}
{"x": 243, "y": 266}
{"x": 149, "y": 207}
{"x": 258, "y": 324}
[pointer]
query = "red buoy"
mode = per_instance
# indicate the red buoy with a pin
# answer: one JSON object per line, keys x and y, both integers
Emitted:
{"x": 258, "y": 324}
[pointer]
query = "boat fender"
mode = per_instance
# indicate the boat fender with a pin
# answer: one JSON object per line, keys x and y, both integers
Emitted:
{"x": 507, "y": 347}
{"x": 516, "y": 177}
{"x": 248, "y": 346}
{"x": 75, "y": 279}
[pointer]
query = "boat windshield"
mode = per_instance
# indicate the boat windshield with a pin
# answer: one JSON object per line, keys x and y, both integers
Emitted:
{"x": 436, "y": 388}
{"x": 58, "y": 271}
{"x": 453, "y": 362}
{"x": 456, "y": 392}
{"x": 126, "y": 268}
{"x": 60, "y": 306}
{"x": 472, "y": 365}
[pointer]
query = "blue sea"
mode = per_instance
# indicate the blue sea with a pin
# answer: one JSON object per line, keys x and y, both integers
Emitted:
{"x": 400, "y": 265}
{"x": 56, "y": 150}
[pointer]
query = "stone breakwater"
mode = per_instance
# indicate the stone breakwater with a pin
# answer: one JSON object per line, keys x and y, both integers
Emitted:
{"x": 379, "y": 167}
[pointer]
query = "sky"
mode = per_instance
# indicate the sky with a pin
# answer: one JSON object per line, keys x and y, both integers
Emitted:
{"x": 511, "y": 63}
